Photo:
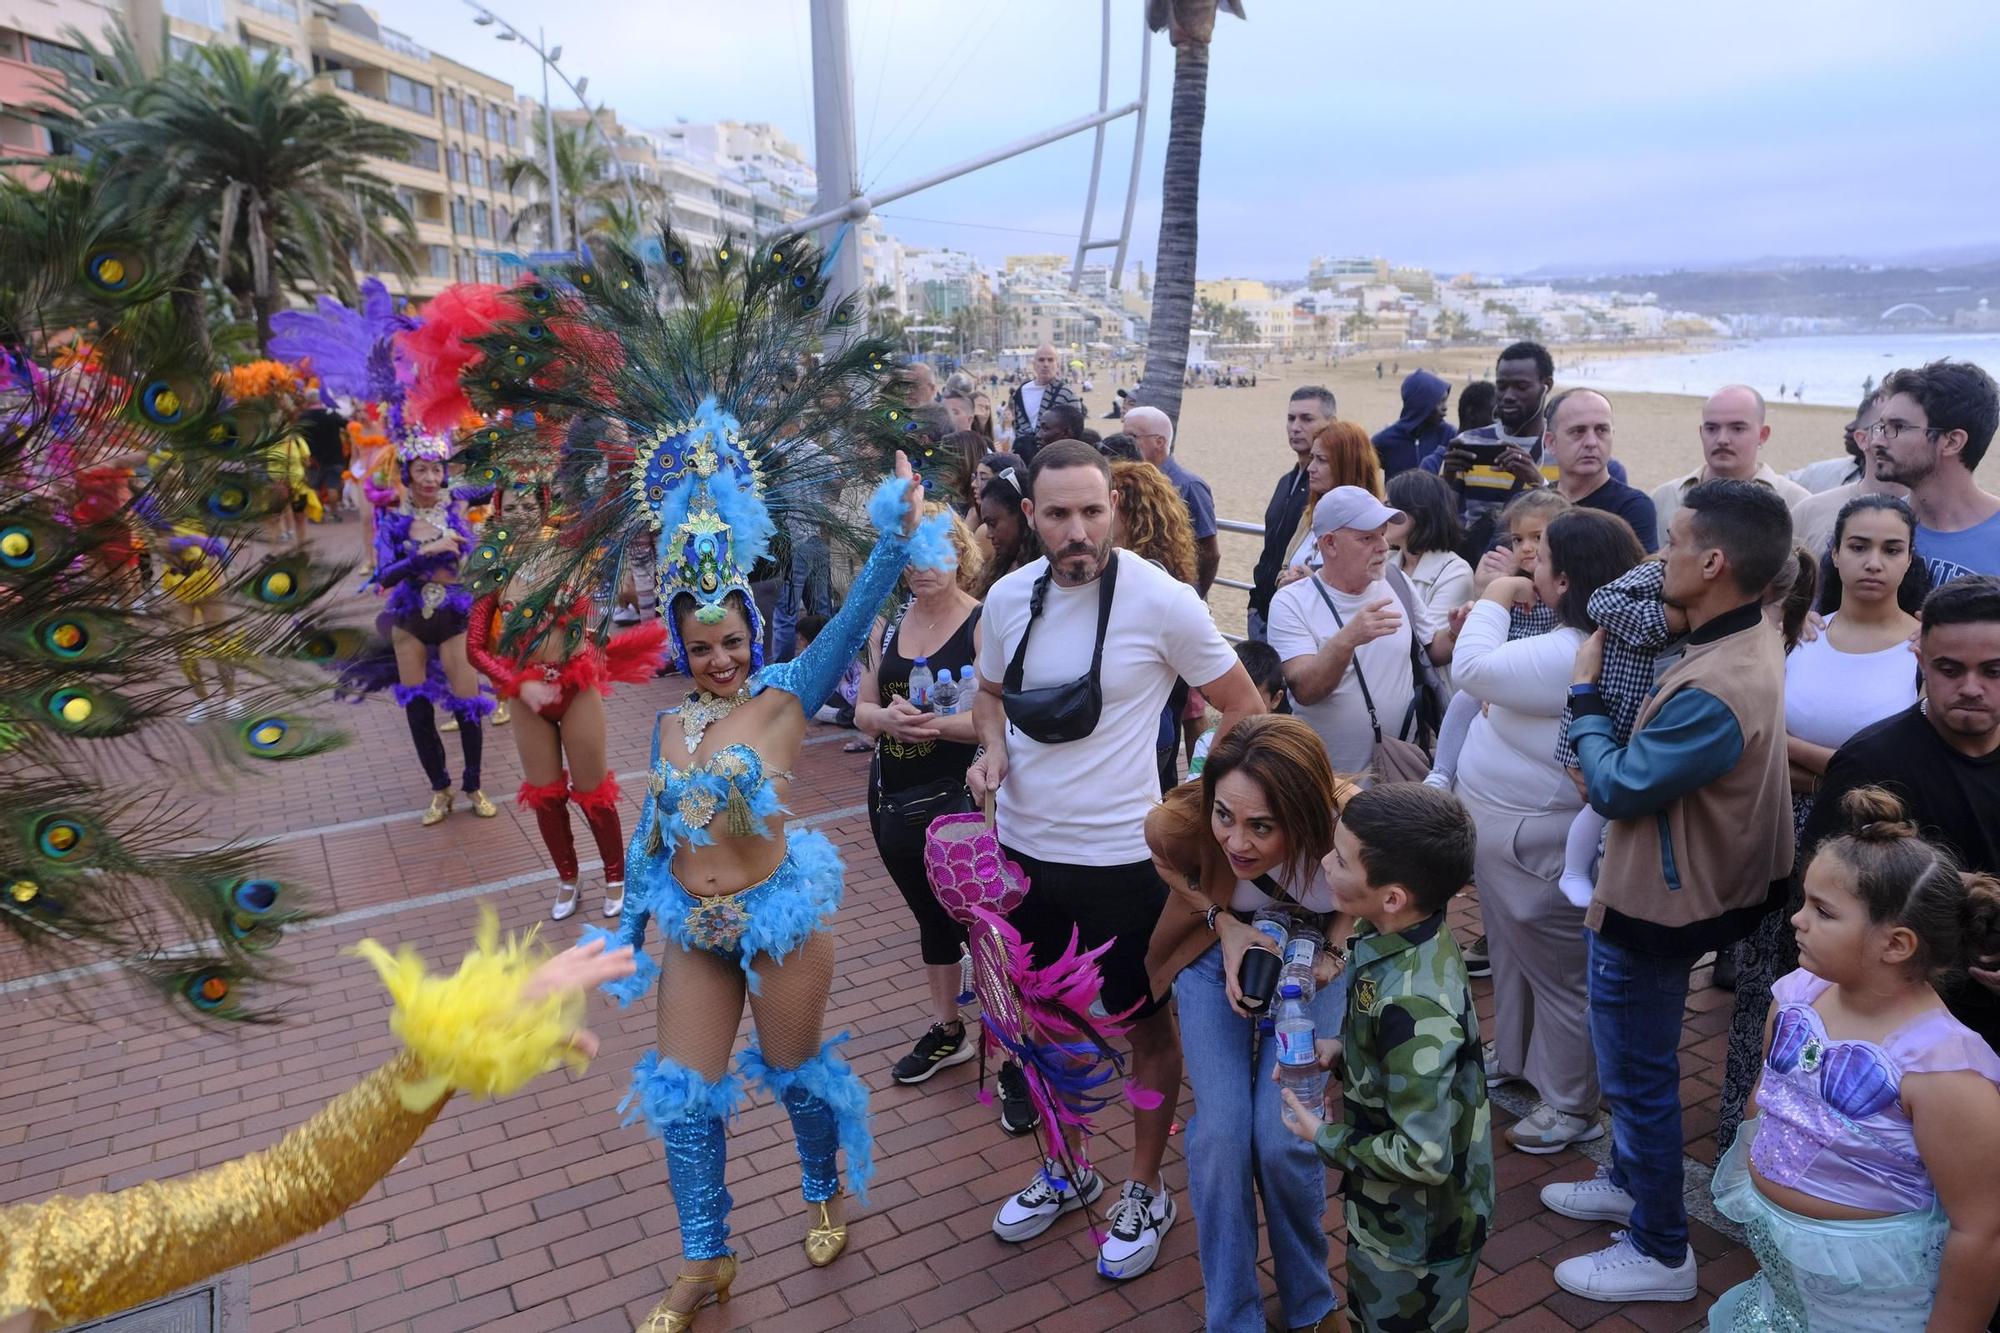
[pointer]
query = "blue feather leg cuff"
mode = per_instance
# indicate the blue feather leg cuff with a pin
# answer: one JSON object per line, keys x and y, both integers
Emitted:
{"x": 828, "y": 1104}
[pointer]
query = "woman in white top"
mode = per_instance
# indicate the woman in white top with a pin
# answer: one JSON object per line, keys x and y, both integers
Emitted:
{"x": 1858, "y": 671}
{"x": 1523, "y": 802}
{"x": 1426, "y": 541}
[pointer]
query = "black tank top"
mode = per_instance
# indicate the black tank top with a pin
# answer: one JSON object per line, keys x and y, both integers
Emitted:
{"x": 905, "y": 765}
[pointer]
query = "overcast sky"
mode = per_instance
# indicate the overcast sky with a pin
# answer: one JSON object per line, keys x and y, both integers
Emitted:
{"x": 1494, "y": 137}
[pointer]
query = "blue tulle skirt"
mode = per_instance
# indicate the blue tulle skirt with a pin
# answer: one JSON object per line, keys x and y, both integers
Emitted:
{"x": 1877, "y": 1276}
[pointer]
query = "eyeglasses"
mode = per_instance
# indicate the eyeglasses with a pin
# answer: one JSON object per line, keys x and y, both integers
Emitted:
{"x": 1893, "y": 429}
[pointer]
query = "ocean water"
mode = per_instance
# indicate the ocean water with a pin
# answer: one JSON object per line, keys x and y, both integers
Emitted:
{"x": 1830, "y": 370}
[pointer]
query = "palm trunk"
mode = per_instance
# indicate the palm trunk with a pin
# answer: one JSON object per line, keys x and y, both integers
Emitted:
{"x": 1174, "y": 264}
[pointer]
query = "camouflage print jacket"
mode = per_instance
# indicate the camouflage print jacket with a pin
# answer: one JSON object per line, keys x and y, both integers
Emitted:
{"x": 1415, "y": 1138}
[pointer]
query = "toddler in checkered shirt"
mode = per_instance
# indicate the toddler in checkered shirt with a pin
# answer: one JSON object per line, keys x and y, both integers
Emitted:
{"x": 1638, "y": 624}
{"x": 1638, "y": 628}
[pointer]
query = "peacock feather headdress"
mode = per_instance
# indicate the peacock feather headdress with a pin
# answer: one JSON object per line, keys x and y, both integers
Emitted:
{"x": 704, "y": 409}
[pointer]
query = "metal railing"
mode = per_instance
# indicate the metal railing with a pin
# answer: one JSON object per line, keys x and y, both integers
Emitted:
{"x": 1248, "y": 529}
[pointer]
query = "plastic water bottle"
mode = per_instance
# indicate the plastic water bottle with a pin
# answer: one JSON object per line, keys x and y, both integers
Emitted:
{"x": 1298, "y": 1057}
{"x": 922, "y": 685}
{"x": 968, "y": 689}
{"x": 945, "y": 694}
{"x": 1301, "y": 954}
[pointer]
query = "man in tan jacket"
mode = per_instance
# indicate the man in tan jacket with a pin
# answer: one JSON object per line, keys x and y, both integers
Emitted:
{"x": 1699, "y": 848}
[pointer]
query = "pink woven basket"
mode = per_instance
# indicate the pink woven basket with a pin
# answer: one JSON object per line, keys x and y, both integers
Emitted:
{"x": 967, "y": 869}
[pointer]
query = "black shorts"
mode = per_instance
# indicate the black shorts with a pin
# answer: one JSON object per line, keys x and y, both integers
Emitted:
{"x": 1120, "y": 903}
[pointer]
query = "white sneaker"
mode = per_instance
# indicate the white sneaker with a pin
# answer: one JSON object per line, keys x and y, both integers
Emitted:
{"x": 1624, "y": 1272}
{"x": 1048, "y": 1196}
{"x": 1548, "y": 1130}
{"x": 1139, "y": 1222}
{"x": 1592, "y": 1200}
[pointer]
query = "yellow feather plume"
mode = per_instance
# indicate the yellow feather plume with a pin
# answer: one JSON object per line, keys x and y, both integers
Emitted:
{"x": 471, "y": 1031}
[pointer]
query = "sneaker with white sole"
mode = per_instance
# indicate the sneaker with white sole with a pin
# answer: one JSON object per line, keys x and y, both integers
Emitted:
{"x": 1592, "y": 1200}
{"x": 1017, "y": 1110}
{"x": 1495, "y": 1076}
{"x": 1138, "y": 1223}
{"x": 1478, "y": 961}
{"x": 1624, "y": 1272}
{"x": 1048, "y": 1196}
{"x": 940, "y": 1048}
{"x": 1548, "y": 1130}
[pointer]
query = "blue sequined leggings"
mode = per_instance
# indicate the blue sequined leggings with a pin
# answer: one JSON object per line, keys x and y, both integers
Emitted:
{"x": 826, "y": 1100}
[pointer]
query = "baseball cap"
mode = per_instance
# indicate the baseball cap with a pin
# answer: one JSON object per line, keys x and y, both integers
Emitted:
{"x": 1350, "y": 507}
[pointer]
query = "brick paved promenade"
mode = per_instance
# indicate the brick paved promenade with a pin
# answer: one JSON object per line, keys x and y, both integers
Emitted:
{"x": 541, "y": 1212}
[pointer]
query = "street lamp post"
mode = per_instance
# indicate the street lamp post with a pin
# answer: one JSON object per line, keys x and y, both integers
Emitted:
{"x": 549, "y": 140}
{"x": 485, "y": 18}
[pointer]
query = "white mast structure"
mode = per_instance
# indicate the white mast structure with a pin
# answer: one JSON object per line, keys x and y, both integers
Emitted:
{"x": 841, "y": 201}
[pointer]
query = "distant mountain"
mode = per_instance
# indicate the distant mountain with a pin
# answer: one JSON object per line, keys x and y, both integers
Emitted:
{"x": 1825, "y": 290}
{"x": 1636, "y": 271}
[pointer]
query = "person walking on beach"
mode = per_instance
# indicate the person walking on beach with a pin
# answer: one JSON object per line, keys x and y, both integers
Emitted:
{"x": 1934, "y": 426}
{"x": 1733, "y": 434}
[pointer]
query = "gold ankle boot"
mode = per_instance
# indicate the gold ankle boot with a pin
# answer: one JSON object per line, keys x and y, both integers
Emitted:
{"x": 501, "y": 717}
{"x": 482, "y": 807}
{"x": 440, "y": 807}
{"x": 663, "y": 1319}
{"x": 825, "y": 1239}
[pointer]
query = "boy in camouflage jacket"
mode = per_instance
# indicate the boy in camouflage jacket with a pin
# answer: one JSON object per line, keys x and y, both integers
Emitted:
{"x": 1413, "y": 1137}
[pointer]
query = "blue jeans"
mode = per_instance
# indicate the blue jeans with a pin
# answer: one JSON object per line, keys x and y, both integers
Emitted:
{"x": 1237, "y": 1146}
{"x": 808, "y": 589}
{"x": 1637, "y": 1006}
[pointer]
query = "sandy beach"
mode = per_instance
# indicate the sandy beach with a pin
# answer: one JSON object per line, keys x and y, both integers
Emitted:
{"x": 1236, "y": 438}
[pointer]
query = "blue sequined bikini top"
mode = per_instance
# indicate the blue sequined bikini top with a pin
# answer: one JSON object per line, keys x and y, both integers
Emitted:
{"x": 687, "y": 800}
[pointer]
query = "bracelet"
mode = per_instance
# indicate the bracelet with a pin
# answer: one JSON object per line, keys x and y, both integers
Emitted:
{"x": 1208, "y": 917}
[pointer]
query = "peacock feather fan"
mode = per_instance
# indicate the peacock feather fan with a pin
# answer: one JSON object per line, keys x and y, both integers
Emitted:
{"x": 705, "y": 407}
{"x": 132, "y": 480}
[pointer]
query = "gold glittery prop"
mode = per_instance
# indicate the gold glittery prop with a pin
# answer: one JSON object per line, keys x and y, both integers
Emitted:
{"x": 70, "y": 1260}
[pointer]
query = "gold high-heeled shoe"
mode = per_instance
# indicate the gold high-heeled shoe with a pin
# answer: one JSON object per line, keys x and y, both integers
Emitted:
{"x": 482, "y": 807}
{"x": 440, "y": 806}
{"x": 501, "y": 717}
{"x": 825, "y": 1240}
{"x": 662, "y": 1319}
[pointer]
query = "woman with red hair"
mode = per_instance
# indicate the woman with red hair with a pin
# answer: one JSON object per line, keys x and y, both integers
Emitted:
{"x": 1342, "y": 455}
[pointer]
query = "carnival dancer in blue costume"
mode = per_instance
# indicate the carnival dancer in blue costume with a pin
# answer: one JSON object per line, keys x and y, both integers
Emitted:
{"x": 737, "y": 408}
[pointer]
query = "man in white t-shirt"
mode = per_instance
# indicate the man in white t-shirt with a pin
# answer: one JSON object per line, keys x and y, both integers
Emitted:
{"x": 1073, "y": 811}
{"x": 1346, "y": 624}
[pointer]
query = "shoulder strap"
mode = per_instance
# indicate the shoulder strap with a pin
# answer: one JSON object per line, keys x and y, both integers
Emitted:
{"x": 1355, "y": 661}
{"x": 1107, "y": 586}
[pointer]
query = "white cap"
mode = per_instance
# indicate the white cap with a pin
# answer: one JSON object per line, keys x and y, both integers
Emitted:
{"x": 1350, "y": 507}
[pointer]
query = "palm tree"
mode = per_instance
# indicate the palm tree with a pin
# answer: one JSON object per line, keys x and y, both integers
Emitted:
{"x": 593, "y": 196}
{"x": 275, "y": 174}
{"x": 1189, "y": 24}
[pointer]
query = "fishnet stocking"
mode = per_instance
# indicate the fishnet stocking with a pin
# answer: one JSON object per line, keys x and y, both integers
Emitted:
{"x": 700, "y": 1006}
